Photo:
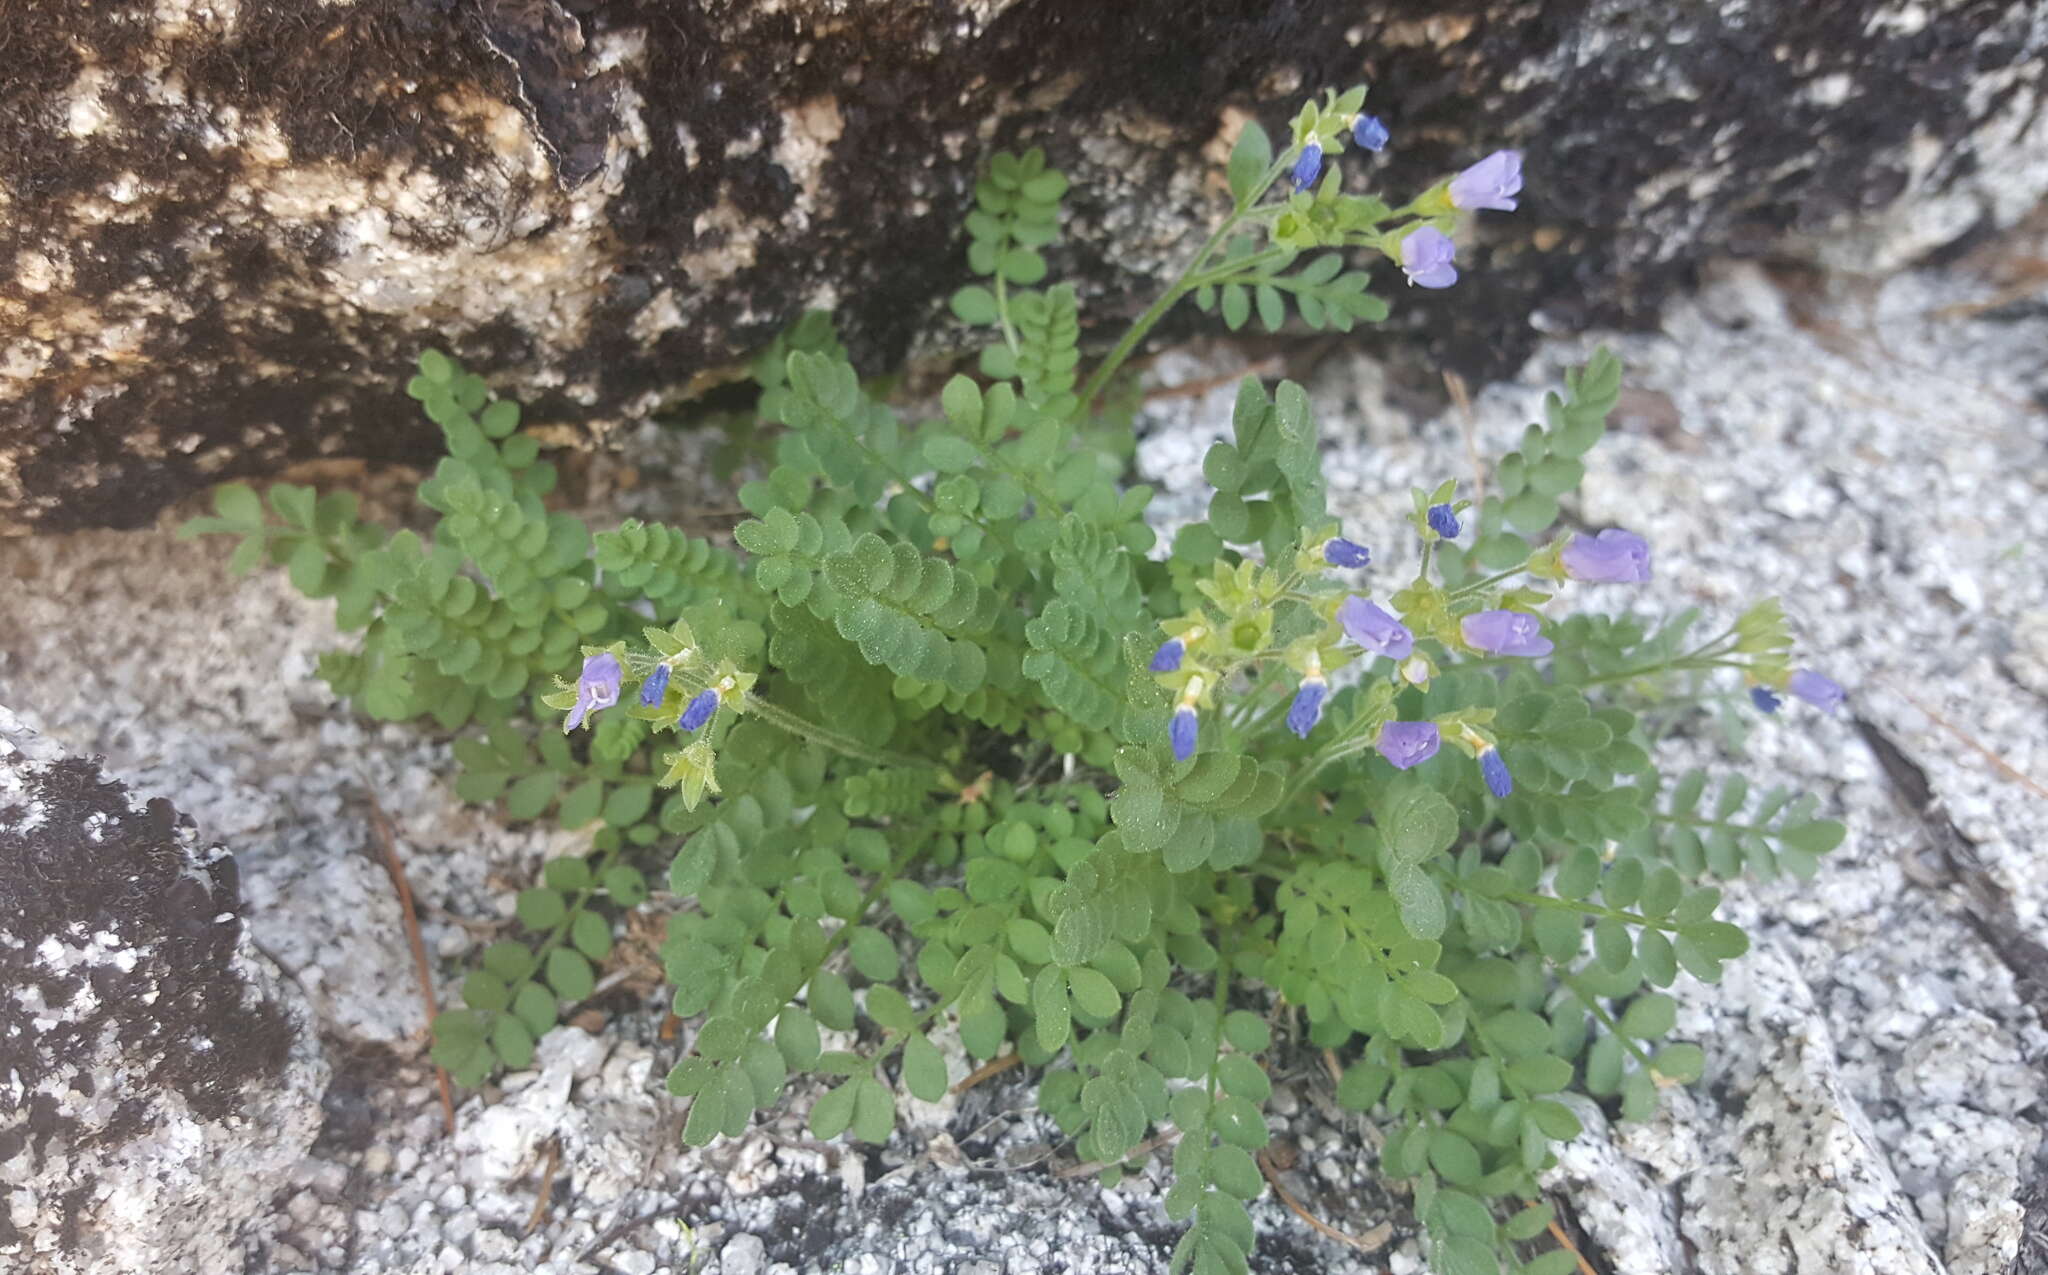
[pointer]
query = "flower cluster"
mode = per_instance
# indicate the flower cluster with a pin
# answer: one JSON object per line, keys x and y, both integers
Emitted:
{"x": 1427, "y": 252}
{"x": 1197, "y": 661}
{"x": 676, "y": 659}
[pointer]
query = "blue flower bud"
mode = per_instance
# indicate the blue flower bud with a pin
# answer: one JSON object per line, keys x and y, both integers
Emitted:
{"x": 1495, "y": 771}
{"x": 1370, "y": 133}
{"x": 1307, "y": 708}
{"x": 1339, "y": 552}
{"x": 1817, "y": 689}
{"x": 656, "y": 686}
{"x": 1309, "y": 166}
{"x": 1182, "y": 732}
{"x": 1443, "y": 522}
{"x": 700, "y": 710}
{"x": 1765, "y": 701}
{"x": 1167, "y": 658}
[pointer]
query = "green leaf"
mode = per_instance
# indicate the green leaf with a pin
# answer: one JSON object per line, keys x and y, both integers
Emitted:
{"x": 512, "y": 1040}
{"x": 1050, "y": 1009}
{"x": 1417, "y": 821}
{"x": 1682, "y": 1062}
{"x": 1455, "y": 1157}
{"x": 570, "y": 975}
{"x": 1529, "y": 1223}
{"x": 237, "y": 503}
{"x": 1249, "y": 160}
{"x": 500, "y": 418}
{"x": 873, "y": 954}
{"x": 924, "y": 1070}
{"x": 627, "y": 804}
{"x": 1237, "y": 306}
{"x": 626, "y": 884}
{"x": 1093, "y": 993}
{"x": 247, "y": 555}
{"x": 796, "y": 1035}
{"x": 566, "y": 874}
{"x": 1247, "y": 1032}
{"x": 874, "y": 1111}
{"x": 307, "y": 567}
{"x": 592, "y": 935}
{"x": 1272, "y": 307}
{"x": 975, "y": 304}
{"x": 484, "y": 990}
{"x": 529, "y": 798}
{"x": 541, "y": 908}
{"x": 1424, "y": 914}
{"x": 535, "y": 1006}
{"x": 294, "y": 504}
{"x": 1650, "y": 1016}
{"x": 950, "y": 453}
{"x": 832, "y": 1000}
{"x": 833, "y": 1113}
{"x": 581, "y": 804}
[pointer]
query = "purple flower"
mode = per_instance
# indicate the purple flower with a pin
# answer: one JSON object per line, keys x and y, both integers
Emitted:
{"x": 1819, "y": 690}
{"x": 699, "y": 711}
{"x": 1764, "y": 699}
{"x": 1505, "y": 633}
{"x": 1307, "y": 708}
{"x": 1443, "y": 522}
{"x": 1374, "y": 629}
{"x": 654, "y": 687}
{"x": 1369, "y": 133}
{"x": 1612, "y": 557}
{"x": 1494, "y": 769}
{"x": 1340, "y": 552}
{"x": 597, "y": 688}
{"x": 1167, "y": 658}
{"x": 1182, "y": 732}
{"x": 1493, "y": 182}
{"x": 1406, "y": 744}
{"x": 1309, "y": 166}
{"x": 1426, "y": 258}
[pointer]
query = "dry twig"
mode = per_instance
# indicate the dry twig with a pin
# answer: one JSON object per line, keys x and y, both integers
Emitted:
{"x": 993, "y": 1067}
{"x": 381, "y": 823}
{"x": 547, "y": 1186}
{"x": 1093, "y": 1167}
{"x": 1557, "y": 1233}
{"x": 2005, "y": 767}
{"x": 1371, "y": 1242}
{"x": 1270, "y": 366}
{"x": 1468, "y": 425}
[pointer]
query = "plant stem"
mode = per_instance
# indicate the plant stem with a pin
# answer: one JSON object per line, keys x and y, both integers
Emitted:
{"x": 1477, "y": 585}
{"x": 1586, "y": 909}
{"x": 1180, "y": 287}
{"x": 783, "y": 719}
{"x": 1606, "y": 1019}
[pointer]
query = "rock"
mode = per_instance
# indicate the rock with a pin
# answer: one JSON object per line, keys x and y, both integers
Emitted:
{"x": 225, "y": 230}
{"x": 742, "y": 1255}
{"x": 161, "y": 1078}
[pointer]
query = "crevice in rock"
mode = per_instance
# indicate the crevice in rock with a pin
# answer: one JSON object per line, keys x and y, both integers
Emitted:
{"x": 1984, "y": 901}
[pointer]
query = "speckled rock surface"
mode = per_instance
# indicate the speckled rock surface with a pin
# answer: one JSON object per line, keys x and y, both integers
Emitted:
{"x": 226, "y": 228}
{"x": 158, "y": 1079}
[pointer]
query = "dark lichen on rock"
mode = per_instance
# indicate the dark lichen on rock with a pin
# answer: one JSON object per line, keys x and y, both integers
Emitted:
{"x": 135, "y": 1016}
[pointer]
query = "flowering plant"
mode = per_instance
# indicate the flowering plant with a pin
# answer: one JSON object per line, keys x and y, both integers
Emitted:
{"x": 1140, "y": 816}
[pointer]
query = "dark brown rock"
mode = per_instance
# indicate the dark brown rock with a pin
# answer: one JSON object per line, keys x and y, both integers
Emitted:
{"x": 226, "y": 228}
{"x": 157, "y": 1078}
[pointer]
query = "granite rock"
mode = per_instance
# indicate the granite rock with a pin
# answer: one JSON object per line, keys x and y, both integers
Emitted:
{"x": 160, "y": 1076}
{"x": 227, "y": 228}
